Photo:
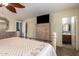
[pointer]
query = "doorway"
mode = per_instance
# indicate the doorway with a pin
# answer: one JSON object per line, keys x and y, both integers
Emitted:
{"x": 69, "y": 32}
{"x": 19, "y": 28}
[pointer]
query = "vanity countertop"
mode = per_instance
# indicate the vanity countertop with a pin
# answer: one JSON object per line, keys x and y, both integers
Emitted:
{"x": 66, "y": 33}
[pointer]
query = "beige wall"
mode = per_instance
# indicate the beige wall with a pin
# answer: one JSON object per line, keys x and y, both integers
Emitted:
{"x": 77, "y": 33}
{"x": 12, "y": 23}
{"x": 31, "y": 27}
{"x": 56, "y": 24}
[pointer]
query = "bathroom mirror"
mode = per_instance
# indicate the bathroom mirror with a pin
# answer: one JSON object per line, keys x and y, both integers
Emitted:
{"x": 66, "y": 24}
{"x": 4, "y": 24}
{"x": 66, "y": 27}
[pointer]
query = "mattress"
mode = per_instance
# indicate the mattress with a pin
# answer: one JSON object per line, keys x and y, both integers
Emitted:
{"x": 25, "y": 47}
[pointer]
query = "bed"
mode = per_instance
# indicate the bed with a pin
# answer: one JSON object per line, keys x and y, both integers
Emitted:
{"x": 17, "y": 46}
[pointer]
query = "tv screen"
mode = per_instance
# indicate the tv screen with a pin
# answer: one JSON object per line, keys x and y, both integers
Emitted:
{"x": 43, "y": 19}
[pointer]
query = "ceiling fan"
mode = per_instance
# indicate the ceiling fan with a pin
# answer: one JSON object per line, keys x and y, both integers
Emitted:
{"x": 11, "y": 6}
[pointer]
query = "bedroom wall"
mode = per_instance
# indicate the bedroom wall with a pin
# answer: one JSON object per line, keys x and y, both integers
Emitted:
{"x": 56, "y": 24}
{"x": 77, "y": 33}
{"x": 31, "y": 27}
{"x": 12, "y": 23}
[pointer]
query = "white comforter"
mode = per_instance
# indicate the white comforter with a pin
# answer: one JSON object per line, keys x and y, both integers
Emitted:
{"x": 25, "y": 47}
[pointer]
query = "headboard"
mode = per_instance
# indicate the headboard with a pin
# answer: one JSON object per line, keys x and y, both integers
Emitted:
{"x": 4, "y": 35}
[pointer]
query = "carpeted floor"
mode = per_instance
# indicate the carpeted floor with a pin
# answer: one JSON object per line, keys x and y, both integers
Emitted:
{"x": 61, "y": 51}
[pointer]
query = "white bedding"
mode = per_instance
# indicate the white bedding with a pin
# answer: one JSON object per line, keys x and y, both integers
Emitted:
{"x": 25, "y": 47}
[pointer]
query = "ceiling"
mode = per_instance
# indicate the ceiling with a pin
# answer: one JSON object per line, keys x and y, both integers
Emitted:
{"x": 36, "y": 9}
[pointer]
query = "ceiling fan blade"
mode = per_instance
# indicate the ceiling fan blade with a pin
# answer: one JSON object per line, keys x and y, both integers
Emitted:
{"x": 11, "y": 8}
{"x": 17, "y": 5}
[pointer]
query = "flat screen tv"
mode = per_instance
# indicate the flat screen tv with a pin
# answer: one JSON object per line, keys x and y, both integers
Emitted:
{"x": 43, "y": 19}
